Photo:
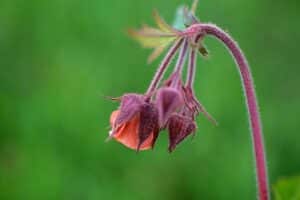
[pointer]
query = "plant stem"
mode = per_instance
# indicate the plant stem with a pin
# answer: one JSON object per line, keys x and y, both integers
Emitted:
{"x": 163, "y": 66}
{"x": 180, "y": 62}
{"x": 252, "y": 105}
{"x": 192, "y": 63}
{"x": 191, "y": 69}
{"x": 181, "y": 57}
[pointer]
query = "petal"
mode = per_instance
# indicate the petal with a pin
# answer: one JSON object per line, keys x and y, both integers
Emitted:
{"x": 174, "y": 128}
{"x": 148, "y": 123}
{"x": 127, "y": 133}
{"x": 195, "y": 106}
{"x": 113, "y": 117}
{"x": 130, "y": 105}
{"x": 179, "y": 128}
{"x": 112, "y": 121}
{"x": 168, "y": 100}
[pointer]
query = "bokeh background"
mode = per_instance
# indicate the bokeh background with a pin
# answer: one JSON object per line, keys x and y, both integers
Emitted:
{"x": 59, "y": 57}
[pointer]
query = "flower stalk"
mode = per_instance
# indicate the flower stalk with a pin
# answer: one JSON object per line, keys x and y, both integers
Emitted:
{"x": 251, "y": 101}
{"x": 252, "y": 106}
{"x": 191, "y": 70}
{"x": 180, "y": 62}
{"x": 163, "y": 66}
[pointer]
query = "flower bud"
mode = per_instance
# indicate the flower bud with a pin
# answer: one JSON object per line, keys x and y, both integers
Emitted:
{"x": 168, "y": 100}
{"x": 179, "y": 128}
{"x": 148, "y": 123}
{"x": 130, "y": 105}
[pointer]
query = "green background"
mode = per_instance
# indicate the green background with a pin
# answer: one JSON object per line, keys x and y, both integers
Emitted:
{"x": 58, "y": 58}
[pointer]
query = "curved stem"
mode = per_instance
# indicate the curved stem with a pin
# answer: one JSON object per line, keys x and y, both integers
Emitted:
{"x": 163, "y": 66}
{"x": 252, "y": 105}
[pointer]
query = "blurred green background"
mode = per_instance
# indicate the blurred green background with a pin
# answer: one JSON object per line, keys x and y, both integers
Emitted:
{"x": 59, "y": 57}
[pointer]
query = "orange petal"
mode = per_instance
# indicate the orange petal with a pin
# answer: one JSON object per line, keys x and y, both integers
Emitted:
{"x": 127, "y": 133}
{"x": 113, "y": 117}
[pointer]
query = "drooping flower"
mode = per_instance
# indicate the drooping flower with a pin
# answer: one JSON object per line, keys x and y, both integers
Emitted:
{"x": 135, "y": 123}
{"x": 168, "y": 100}
{"x": 140, "y": 118}
{"x": 179, "y": 127}
{"x": 169, "y": 105}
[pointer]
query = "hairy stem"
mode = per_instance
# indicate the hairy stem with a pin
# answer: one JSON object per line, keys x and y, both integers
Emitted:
{"x": 180, "y": 62}
{"x": 189, "y": 84}
{"x": 163, "y": 66}
{"x": 252, "y": 105}
{"x": 191, "y": 68}
{"x": 192, "y": 62}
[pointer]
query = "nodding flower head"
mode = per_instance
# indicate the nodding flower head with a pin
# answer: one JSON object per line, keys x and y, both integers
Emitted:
{"x": 179, "y": 127}
{"x": 135, "y": 123}
{"x": 169, "y": 99}
{"x": 169, "y": 104}
{"x": 172, "y": 105}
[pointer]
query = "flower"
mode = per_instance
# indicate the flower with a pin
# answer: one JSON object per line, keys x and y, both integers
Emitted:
{"x": 127, "y": 133}
{"x": 139, "y": 119}
{"x": 179, "y": 127}
{"x": 135, "y": 123}
{"x": 168, "y": 100}
{"x": 170, "y": 105}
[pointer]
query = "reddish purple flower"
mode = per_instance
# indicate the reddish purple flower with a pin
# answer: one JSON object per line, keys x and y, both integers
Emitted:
{"x": 168, "y": 101}
{"x": 179, "y": 127}
{"x": 173, "y": 105}
{"x": 135, "y": 123}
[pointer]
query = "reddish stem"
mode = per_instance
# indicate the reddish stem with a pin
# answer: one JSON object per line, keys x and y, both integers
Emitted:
{"x": 192, "y": 62}
{"x": 181, "y": 57}
{"x": 252, "y": 105}
{"x": 163, "y": 66}
{"x": 191, "y": 68}
{"x": 180, "y": 62}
